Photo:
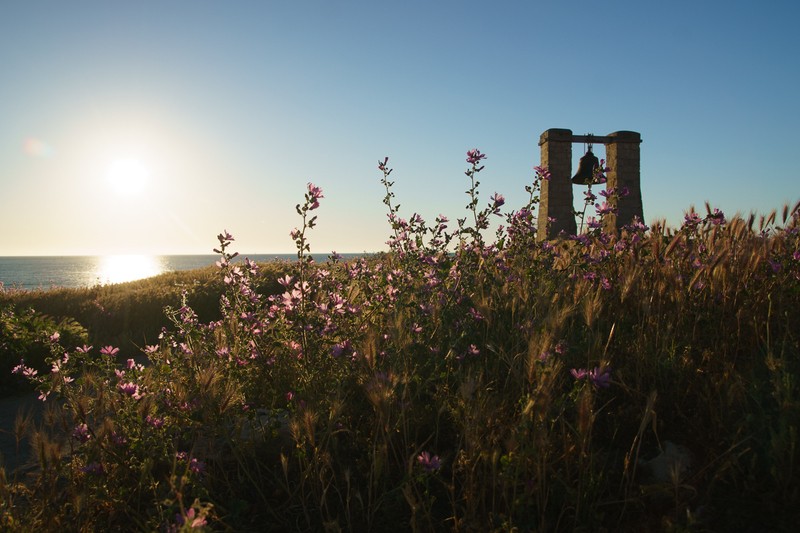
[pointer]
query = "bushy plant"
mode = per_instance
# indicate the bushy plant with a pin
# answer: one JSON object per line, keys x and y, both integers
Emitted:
{"x": 639, "y": 379}
{"x": 27, "y": 335}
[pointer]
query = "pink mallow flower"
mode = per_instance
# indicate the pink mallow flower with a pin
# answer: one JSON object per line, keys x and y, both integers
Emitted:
{"x": 314, "y": 194}
{"x": 109, "y": 350}
{"x": 600, "y": 377}
{"x": 131, "y": 389}
{"x": 474, "y": 156}
{"x": 81, "y": 433}
{"x": 428, "y": 462}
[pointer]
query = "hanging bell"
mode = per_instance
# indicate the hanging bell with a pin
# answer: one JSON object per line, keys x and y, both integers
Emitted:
{"x": 586, "y": 167}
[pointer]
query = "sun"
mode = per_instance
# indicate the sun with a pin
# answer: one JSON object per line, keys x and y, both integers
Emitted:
{"x": 127, "y": 176}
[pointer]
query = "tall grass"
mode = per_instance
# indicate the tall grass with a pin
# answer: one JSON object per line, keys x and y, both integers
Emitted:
{"x": 640, "y": 380}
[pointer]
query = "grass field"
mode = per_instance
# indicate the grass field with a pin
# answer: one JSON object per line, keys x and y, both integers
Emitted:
{"x": 639, "y": 380}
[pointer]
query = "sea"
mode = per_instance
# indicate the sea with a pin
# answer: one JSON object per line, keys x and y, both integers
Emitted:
{"x": 44, "y": 272}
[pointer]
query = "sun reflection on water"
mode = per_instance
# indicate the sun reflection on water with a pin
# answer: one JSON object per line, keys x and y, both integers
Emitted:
{"x": 122, "y": 268}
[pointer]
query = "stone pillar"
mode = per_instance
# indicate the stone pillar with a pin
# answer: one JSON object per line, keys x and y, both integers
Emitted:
{"x": 555, "y": 200}
{"x": 622, "y": 157}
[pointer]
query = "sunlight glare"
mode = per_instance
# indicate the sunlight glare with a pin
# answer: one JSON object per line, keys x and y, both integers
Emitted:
{"x": 128, "y": 177}
{"x": 122, "y": 268}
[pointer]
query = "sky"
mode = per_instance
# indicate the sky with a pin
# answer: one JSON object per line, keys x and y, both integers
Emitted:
{"x": 150, "y": 127}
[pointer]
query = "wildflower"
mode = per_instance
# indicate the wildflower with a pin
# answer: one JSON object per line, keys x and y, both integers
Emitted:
{"x": 475, "y": 315}
{"x": 84, "y": 349}
{"x": 131, "y": 389}
{"x": 314, "y": 194}
{"x": 382, "y": 165}
{"x": 691, "y": 219}
{"x": 24, "y": 370}
{"x": 223, "y": 352}
{"x": 225, "y": 237}
{"x": 196, "y": 466}
{"x": 117, "y": 439}
{"x": 498, "y": 200}
{"x": 109, "y": 350}
{"x": 600, "y": 377}
{"x": 54, "y": 337}
{"x": 428, "y": 462}
{"x": 95, "y": 469}
{"x": 717, "y": 217}
{"x": 474, "y": 156}
{"x": 194, "y": 520}
{"x": 473, "y": 350}
{"x": 154, "y": 421}
{"x": 578, "y": 373}
{"x": 542, "y": 172}
{"x": 342, "y": 348}
{"x": 604, "y": 208}
{"x": 150, "y": 349}
{"x": 81, "y": 433}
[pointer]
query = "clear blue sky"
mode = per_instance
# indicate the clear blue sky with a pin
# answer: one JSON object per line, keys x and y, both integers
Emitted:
{"x": 228, "y": 109}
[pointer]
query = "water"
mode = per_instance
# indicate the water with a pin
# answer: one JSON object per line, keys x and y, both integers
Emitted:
{"x": 87, "y": 271}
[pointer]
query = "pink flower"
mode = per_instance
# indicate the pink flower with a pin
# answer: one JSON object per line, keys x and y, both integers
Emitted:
{"x": 131, "y": 389}
{"x": 24, "y": 370}
{"x": 542, "y": 172}
{"x": 314, "y": 194}
{"x": 578, "y": 373}
{"x": 474, "y": 156}
{"x": 194, "y": 520}
{"x": 600, "y": 377}
{"x": 81, "y": 433}
{"x": 154, "y": 421}
{"x": 605, "y": 208}
{"x": 428, "y": 462}
{"x": 109, "y": 350}
{"x": 717, "y": 217}
{"x": 498, "y": 199}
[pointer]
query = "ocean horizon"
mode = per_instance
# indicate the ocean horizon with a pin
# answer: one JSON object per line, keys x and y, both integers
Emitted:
{"x": 79, "y": 271}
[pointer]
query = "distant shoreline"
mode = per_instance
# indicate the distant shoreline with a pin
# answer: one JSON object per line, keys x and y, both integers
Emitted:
{"x": 81, "y": 271}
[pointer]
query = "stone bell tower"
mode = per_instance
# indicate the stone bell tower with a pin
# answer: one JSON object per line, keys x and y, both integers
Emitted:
{"x": 556, "y": 198}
